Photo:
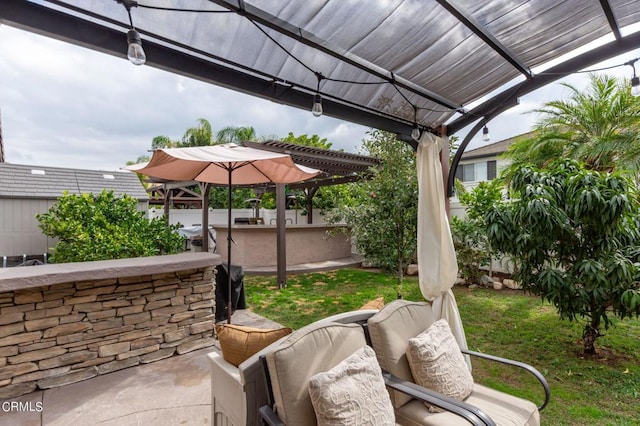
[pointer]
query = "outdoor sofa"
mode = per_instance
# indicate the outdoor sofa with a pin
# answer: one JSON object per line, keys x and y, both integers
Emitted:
{"x": 276, "y": 390}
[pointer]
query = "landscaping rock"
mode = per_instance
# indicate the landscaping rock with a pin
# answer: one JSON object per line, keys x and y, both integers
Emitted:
{"x": 412, "y": 269}
{"x": 512, "y": 284}
{"x": 497, "y": 285}
{"x": 486, "y": 280}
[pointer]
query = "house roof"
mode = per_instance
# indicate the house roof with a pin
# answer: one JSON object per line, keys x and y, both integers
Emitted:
{"x": 383, "y": 64}
{"x": 43, "y": 182}
{"x": 494, "y": 149}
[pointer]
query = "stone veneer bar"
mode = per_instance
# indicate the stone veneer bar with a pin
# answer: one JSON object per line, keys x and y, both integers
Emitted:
{"x": 63, "y": 323}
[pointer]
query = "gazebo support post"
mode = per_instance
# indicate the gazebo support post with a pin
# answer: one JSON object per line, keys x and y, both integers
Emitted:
{"x": 167, "y": 201}
{"x": 444, "y": 161}
{"x": 204, "y": 190}
{"x": 310, "y": 193}
{"x": 281, "y": 236}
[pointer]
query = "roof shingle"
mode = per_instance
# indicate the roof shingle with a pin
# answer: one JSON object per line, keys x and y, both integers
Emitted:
{"x": 43, "y": 182}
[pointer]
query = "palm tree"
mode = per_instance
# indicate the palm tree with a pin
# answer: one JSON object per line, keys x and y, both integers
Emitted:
{"x": 201, "y": 135}
{"x": 236, "y": 134}
{"x": 599, "y": 126}
{"x": 160, "y": 142}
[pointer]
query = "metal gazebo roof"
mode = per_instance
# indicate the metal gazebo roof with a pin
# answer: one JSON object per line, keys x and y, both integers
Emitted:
{"x": 386, "y": 64}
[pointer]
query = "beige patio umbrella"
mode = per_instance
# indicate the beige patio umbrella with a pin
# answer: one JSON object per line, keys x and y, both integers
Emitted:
{"x": 437, "y": 263}
{"x": 227, "y": 164}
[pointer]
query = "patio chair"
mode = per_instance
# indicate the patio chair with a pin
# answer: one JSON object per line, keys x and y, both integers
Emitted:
{"x": 321, "y": 353}
{"x": 390, "y": 330}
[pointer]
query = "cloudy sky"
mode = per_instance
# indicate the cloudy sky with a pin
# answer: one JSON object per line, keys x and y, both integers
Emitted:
{"x": 65, "y": 106}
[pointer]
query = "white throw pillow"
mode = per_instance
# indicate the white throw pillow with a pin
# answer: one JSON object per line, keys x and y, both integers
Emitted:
{"x": 437, "y": 363}
{"x": 352, "y": 393}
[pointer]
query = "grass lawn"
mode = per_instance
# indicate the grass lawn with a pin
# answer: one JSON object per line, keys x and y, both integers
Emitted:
{"x": 602, "y": 390}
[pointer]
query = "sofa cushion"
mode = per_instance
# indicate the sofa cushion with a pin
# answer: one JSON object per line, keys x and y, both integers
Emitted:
{"x": 352, "y": 392}
{"x": 239, "y": 342}
{"x": 437, "y": 363}
{"x": 390, "y": 331}
{"x": 310, "y": 350}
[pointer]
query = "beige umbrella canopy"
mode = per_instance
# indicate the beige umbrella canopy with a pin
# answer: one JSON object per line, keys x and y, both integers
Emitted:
{"x": 227, "y": 164}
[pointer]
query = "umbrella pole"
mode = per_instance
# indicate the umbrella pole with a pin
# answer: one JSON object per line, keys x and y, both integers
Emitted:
{"x": 229, "y": 240}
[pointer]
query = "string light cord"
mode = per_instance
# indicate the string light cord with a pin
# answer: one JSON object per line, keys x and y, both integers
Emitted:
{"x": 131, "y": 3}
{"x": 307, "y": 67}
{"x": 591, "y": 70}
{"x": 178, "y": 9}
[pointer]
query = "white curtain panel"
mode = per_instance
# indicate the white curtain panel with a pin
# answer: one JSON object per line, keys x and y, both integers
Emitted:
{"x": 437, "y": 263}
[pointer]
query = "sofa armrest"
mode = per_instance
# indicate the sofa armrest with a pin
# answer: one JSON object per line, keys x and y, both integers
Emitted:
{"x": 472, "y": 414}
{"x": 269, "y": 417}
{"x": 518, "y": 364}
{"x": 227, "y": 395}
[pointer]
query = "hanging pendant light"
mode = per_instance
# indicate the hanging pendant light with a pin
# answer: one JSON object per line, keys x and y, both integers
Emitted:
{"x": 415, "y": 133}
{"x": 485, "y": 134}
{"x": 317, "y": 110}
{"x": 135, "y": 52}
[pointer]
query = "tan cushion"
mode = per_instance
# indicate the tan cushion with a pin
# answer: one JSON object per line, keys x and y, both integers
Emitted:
{"x": 239, "y": 342}
{"x": 390, "y": 331}
{"x": 503, "y": 408}
{"x": 310, "y": 350}
{"x": 352, "y": 393}
{"x": 415, "y": 413}
{"x": 437, "y": 363}
{"x": 374, "y": 304}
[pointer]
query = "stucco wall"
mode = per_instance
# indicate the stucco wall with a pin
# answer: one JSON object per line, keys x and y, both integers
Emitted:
{"x": 255, "y": 245}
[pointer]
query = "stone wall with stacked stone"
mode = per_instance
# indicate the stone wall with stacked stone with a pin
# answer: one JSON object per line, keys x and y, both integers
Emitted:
{"x": 58, "y": 327}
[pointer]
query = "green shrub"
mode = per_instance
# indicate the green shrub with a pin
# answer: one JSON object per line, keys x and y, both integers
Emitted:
{"x": 103, "y": 226}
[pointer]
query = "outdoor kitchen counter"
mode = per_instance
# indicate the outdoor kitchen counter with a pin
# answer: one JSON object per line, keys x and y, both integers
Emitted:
{"x": 255, "y": 245}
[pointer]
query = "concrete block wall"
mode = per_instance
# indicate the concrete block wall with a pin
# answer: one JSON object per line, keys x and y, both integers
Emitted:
{"x": 63, "y": 333}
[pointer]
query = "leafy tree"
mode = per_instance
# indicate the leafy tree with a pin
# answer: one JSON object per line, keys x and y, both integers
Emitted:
{"x": 160, "y": 142}
{"x": 304, "y": 140}
{"x": 599, "y": 126}
{"x": 384, "y": 219}
{"x": 574, "y": 237}
{"x": 469, "y": 233}
{"x": 103, "y": 226}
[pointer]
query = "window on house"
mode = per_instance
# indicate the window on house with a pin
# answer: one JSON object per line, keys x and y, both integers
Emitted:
{"x": 468, "y": 172}
{"x": 476, "y": 172}
{"x": 491, "y": 169}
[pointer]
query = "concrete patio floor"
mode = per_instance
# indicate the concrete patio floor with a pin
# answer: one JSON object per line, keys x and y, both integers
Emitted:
{"x": 173, "y": 391}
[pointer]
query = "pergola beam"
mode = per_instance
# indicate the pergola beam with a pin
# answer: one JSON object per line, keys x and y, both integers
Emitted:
{"x": 613, "y": 22}
{"x": 508, "y": 98}
{"x": 465, "y": 17}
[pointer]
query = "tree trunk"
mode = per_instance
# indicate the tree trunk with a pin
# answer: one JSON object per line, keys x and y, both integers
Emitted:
{"x": 589, "y": 337}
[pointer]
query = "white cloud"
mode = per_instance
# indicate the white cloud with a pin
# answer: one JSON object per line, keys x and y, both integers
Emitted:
{"x": 63, "y": 105}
